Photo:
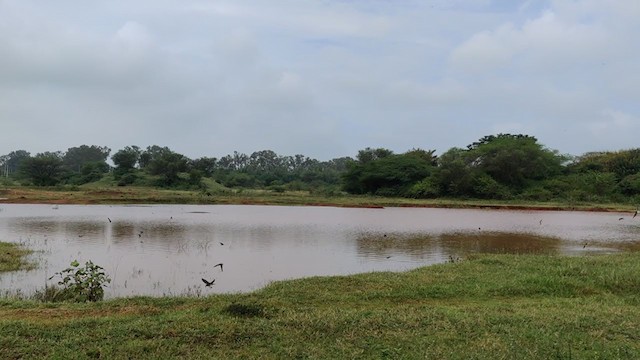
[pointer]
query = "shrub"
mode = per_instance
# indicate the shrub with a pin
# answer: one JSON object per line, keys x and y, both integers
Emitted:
{"x": 425, "y": 189}
{"x": 127, "y": 179}
{"x": 537, "y": 193}
{"x": 630, "y": 185}
{"x": 79, "y": 284}
{"x": 484, "y": 186}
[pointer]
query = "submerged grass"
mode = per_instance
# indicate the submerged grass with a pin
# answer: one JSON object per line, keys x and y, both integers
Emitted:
{"x": 486, "y": 307}
{"x": 12, "y": 257}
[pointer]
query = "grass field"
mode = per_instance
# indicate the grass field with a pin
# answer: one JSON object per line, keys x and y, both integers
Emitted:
{"x": 486, "y": 307}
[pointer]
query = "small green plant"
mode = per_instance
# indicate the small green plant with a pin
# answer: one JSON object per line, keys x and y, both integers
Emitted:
{"x": 82, "y": 284}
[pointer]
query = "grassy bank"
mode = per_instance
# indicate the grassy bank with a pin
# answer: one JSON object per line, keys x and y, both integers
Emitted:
{"x": 488, "y": 307}
{"x": 12, "y": 257}
{"x": 148, "y": 195}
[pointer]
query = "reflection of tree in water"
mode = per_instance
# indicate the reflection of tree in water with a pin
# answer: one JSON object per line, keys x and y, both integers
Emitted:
{"x": 454, "y": 244}
{"x": 158, "y": 233}
{"x": 74, "y": 229}
{"x": 35, "y": 227}
{"x": 500, "y": 242}
{"x": 85, "y": 228}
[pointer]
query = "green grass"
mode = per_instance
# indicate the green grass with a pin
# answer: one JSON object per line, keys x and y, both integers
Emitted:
{"x": 12, "y": 257}
{"x": 486, "y": 307}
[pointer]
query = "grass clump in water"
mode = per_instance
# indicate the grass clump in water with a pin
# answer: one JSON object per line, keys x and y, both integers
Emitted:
{"x": 12, "y": 257}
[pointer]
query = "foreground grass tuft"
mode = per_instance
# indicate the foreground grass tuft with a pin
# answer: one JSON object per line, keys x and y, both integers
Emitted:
{"x": 487, "y": 307}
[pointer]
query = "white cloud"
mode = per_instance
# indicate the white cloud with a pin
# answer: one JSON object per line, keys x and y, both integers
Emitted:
{"x": 547, "y": 43}
{"x": 132, "y": 36}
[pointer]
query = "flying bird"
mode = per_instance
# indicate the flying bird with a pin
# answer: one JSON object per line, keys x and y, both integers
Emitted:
{"x": 221, "y": 243}
{"x": 220, "y": 264}
{"x": 621, "y": 219}
{"x": 636, "y": 213}
{"x": 109, "y": 219}
{"x": 208, "y": 283}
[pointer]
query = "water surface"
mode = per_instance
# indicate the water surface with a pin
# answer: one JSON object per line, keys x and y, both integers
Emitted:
{"x": 167, "y": 249}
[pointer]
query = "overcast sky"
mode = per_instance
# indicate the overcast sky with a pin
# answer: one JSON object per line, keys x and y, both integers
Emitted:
{"x": 321, "y": 78}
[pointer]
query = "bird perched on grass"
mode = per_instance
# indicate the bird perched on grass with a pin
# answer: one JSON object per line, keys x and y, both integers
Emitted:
{"x": 208, "y": 283}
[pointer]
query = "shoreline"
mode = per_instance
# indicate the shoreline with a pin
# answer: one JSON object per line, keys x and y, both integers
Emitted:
{"x": 129, "y": 196}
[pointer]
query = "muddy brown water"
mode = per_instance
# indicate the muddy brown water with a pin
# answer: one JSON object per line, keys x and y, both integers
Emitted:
{"x": 161, "y": 250}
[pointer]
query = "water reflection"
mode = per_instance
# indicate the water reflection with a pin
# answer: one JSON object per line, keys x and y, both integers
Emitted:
{"x": 166, "y": 250}
{"x": 456, "y": 244}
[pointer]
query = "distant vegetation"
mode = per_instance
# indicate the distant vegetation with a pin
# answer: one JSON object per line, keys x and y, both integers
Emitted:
{"x": 503, "y": 166}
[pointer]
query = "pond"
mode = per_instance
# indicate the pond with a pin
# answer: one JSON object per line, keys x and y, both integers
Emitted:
{"x": 162, "y": 250}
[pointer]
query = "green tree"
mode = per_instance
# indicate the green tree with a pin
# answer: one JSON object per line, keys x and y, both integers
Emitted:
{"x": 167, "y": 164}
{"x": 514, "y": 160}
{"x": 76, "y": 157}
{"x": 630, "y": 185}
{"x": 152, "y": 153}
{"x": 426, "y": 155}
{"x": 44, "y": 169}
{"x": 10, "y": 163}
{"x": 126, "y": 159}
{"x": 454, "y": 176}
{"x": 206, "y": 165}
{"x": 369, "y": 154}
{"x": 235, "y": 162}
{"x": 622, "y": 163}
{"x": 92, "y": 171}
{"x": 390, "y": 175}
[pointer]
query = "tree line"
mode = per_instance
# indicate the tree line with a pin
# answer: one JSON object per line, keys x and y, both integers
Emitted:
{"x": 163, "y": 167}
{"x": 503, "y": 166}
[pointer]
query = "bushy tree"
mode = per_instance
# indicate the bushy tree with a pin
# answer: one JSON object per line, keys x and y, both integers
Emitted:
{"x": 454, "y": 176}
{"x": 76, "y": 157}
{"x": 11, "y": 162}
{"x": 630, "y": 185}
{"x": 44, "y": 169}
{"x": 126, "y": 159}
{"x": 387, "y": 175}
{"x": 622, "y": 163}
{"x": 369, "y": 154}
{"x": 206, "y": 165}
{"x": 513, "y": 160}
{"x": 167, "y": 164}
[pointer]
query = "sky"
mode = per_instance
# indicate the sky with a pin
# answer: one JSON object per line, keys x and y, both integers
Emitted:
{"x": 322, "y": 78}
